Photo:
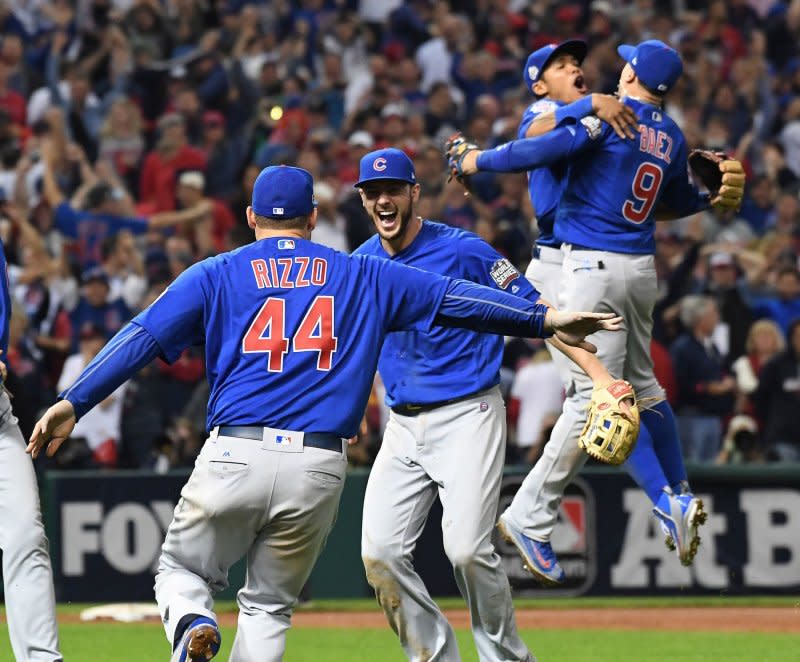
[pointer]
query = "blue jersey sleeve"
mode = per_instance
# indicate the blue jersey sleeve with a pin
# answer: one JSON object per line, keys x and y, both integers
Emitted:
{"x": 122, "y": 357}
{"x": 470, "y": 306}
{"x": 66, "y": 220}
{"x": 5, "y": 304}
{"x": 533, "y": 111}
{"x": 406, "y": 298}
{"x": 484, "y": 265}
{"x": 175, "y": 319}
{"x": 133, "y": 224}
{"x": 412, "y": 299}
{"x": 561, "y": 143}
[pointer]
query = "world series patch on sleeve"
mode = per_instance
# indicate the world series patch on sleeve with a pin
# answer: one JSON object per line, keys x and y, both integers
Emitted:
{"x": 503, "y": 273}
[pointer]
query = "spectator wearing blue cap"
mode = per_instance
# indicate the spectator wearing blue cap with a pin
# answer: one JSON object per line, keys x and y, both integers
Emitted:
{"x": 94, "y": 306}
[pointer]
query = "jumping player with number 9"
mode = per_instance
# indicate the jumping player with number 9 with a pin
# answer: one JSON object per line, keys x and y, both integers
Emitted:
{"x": 605, "y": 220}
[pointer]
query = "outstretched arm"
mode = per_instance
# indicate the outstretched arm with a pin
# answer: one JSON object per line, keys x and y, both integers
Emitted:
{"x": 471, "y": 306}
{"x": 466, "y": 159}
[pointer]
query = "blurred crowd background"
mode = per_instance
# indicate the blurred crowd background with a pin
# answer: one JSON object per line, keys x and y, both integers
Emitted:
{"x": 131, "y": 132}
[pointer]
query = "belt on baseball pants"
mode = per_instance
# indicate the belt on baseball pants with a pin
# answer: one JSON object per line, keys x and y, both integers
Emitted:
{"x": 550, "y": 254}
{"x": 328, "y": 442}
{"x": 415, "y": 410}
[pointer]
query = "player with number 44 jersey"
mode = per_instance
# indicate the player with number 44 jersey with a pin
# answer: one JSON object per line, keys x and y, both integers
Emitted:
{"x": 292, "y": 333}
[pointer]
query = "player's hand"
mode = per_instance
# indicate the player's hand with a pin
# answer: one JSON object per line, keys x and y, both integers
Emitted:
{"x": 572, "y": 328}
{"x": 618, "y": 115}
{"x": 52, "y": 429}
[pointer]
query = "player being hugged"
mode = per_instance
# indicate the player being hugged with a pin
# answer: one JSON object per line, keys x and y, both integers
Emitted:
{"x": 292, "y": 332}
{"x": 606, "y": 221}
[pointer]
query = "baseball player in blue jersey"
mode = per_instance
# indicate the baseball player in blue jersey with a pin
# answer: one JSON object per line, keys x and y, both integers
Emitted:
{"x": 292, "y": 332}
{"x": 445, "y": 435}
{"x": 553, "y": 74}
{"x": 606, "y": 221}
{"x": 27, "y": 574}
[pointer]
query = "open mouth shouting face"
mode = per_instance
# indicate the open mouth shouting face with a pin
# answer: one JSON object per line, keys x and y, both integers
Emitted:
{"x": 390, "y": 205}
{"x": 563, "y": 79}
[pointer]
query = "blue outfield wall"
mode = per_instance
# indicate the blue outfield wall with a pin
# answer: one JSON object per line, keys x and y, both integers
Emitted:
{"x": 106, "y": 530}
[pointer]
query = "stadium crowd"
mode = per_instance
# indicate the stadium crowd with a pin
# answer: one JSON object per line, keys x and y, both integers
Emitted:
{"x": 131, "y": 132}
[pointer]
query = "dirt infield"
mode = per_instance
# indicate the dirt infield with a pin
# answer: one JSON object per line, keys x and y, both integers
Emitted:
{"x": 716, "y": 619}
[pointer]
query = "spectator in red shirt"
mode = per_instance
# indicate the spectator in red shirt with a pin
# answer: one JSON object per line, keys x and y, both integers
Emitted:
{"x": 162, "y": 165}
{"x": 209, "y": 230}
{"x": 10, "y": 101}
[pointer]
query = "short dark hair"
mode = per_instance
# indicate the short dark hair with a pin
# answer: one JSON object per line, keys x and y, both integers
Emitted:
{"x": 98, "y": 195}
{"x": 655, "y": 93}
{"x": 295, "y": 223}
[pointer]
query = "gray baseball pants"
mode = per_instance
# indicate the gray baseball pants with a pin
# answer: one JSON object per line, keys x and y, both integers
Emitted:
{"x": 456, "y": 451}
{"x": 535, "y": 506}
{"x": 602, "y": 282}
{"x": 245, "y": 497}
{"x": 27, "y": 574}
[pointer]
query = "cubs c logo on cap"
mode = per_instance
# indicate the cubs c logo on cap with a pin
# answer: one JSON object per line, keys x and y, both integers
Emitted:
{"x": 379, "y": 164}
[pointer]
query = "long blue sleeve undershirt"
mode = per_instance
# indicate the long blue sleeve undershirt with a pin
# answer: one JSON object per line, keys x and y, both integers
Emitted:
{"x": 529, "y": 153}
{"x": 464, "y": 305}
{"x": 470, "y": 306}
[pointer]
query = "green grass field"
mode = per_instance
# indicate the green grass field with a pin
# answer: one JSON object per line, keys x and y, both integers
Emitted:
{"x": 112, "y": 642}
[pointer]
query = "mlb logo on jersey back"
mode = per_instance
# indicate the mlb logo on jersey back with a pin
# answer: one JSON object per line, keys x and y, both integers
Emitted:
{"x": 283, "y": 439}
{"x": 503, "y": 273}
{"x": 286, "y": 244}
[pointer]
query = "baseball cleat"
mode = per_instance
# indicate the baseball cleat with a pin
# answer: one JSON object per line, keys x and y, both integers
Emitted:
{"x": 199, "y": 642}
{"x": 680, "y": 517}
{"x": 540, "y": 560}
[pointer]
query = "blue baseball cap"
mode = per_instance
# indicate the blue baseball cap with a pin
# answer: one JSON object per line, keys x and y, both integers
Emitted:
{"x": 283, "y": 192}
{"x": 657, "y": 65}
{"x": 539, "y": 59}
{"x": 389, "y": 163}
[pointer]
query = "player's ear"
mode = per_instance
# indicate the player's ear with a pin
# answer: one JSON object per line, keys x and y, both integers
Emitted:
{"x": 251, "y": 218}
{"x": 312, "y": 221}
{"x": 415, "y": 189}
{"x": 539, "y": 88}
{"x": 363, "y": 197}
{"x": 628, "y": 74}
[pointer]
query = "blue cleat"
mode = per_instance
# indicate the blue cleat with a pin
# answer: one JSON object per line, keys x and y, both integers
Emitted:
{"x": 200, "y": 641}
{"x": 680, "y": 517}
{"x": 540, "y": 560}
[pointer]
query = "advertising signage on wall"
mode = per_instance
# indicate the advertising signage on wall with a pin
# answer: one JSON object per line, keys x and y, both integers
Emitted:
{"x": 106, "y": 532}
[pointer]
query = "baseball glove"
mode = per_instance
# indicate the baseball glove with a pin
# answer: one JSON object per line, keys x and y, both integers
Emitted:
{"x": 456, "y": 148}
{"x": 721, "y": 175}
{"x": 610, "y": 432}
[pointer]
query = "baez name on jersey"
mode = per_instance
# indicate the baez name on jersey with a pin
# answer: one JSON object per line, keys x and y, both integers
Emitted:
{"x": 657, "y": 143}
{"x": 290, "y": 272}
